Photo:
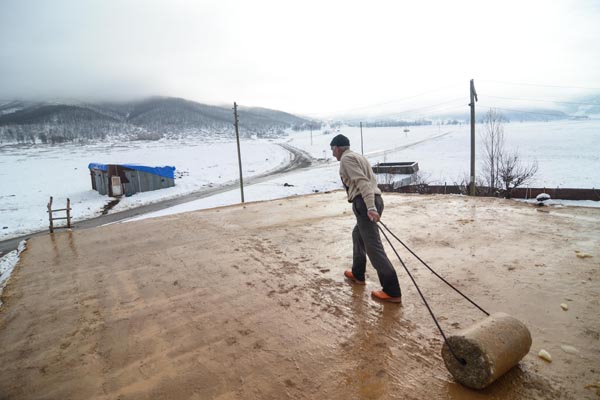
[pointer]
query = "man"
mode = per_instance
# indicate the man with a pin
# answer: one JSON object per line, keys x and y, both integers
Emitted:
{"x": 361, "y": 186}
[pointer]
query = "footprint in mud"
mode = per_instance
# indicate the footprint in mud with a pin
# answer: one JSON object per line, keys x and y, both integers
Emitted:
{"x": 289, "y": 383}
{"x": 284, "y": 303}
{"x": 231, "y": 341}
{"x": 259, "y": 345}
{"x": 284, "y": 290}
{"x": 64, "y": 345}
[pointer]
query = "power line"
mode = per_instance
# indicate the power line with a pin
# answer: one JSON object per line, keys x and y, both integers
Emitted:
{"x": 522, "y": 112}
{"x": 422, "y": 110}
{"x": 430, "y": 107}
{"x": 539, "y": 85}
{"x": 448, "y": 105}
{"x": 445, "y": 109}
{"x": 545, "y": 101}
{"x": 389, "y": 102}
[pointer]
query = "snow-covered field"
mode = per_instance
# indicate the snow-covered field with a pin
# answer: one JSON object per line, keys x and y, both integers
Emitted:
{"x": 30, "y": 175}
{"x": 568, "y": 153}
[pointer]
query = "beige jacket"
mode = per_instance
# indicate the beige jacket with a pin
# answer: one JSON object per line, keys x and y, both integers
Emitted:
{"x": 358, "y": 178}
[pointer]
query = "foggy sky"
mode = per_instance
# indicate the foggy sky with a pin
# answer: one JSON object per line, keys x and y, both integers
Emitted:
{"x": 311, "y": 57}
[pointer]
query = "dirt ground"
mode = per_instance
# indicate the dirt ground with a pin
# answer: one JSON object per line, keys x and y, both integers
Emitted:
{"x": 248, "y": 302}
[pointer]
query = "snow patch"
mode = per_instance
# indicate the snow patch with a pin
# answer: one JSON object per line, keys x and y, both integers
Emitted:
{"x": 7, "y": 265}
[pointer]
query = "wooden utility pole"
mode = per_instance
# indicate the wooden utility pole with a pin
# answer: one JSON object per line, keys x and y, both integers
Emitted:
{"x": 472, "y": 105}
{"x": 237, "y": 138}
{"x": 361, "y": 141}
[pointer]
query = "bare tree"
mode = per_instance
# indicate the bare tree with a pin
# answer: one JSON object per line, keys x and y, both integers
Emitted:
{"x": 464, "y": 182}
{"x": 421, "y": 178}
{"x": 493, "y": 148}
{"x": 513, "y": 173}
{"x": 503, "y": 170}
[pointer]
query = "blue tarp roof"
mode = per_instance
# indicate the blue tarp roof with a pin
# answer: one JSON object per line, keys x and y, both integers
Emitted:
{"x": 166, "y": 171}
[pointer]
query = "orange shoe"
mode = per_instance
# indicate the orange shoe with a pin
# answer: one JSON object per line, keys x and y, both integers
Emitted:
{"x": 350, "y": 276}
{"x": 383, "y": 296}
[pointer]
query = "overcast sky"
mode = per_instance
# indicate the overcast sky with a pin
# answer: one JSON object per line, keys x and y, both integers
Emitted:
{"x": 311, "y": 57}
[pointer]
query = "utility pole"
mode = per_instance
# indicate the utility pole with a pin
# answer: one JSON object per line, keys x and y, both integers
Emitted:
{"x": 361, "y": 140}
{"x": 472, "y": 105}
{"x": 237, "y": 137}
{"x": 311, "y": 134}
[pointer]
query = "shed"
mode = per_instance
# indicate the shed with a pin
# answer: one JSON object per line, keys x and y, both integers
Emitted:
{"x": 403, "y": 167}
{"x": 397, "y": 174}
{"x": 127, "y": 179}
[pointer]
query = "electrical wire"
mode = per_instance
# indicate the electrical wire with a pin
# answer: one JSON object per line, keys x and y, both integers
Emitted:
{"x": 539, "y": 85}
{"x": 544, "y": 101}
{"x": 521, "y": 112}
{"x": 422, "y": 111}
{"x": 342, "y": 111}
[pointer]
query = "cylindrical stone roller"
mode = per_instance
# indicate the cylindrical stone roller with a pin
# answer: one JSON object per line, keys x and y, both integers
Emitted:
{"x": 489, "y": 348}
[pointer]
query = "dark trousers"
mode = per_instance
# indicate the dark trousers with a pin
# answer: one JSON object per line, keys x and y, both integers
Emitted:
{"x": 367, "y": 242}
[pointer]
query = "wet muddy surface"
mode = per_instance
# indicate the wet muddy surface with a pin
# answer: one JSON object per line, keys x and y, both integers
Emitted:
{"x": 250, "y": 302}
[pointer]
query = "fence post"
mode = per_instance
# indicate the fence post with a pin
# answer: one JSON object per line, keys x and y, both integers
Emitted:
{"x": 68, "y": 213}
{"x": 51, "y": 227}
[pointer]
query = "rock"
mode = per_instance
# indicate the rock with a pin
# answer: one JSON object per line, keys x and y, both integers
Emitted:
{"x": 542, "y": 197}
{"x": 544, "y": 355}
{"x": 564, "y": 306}
{"x": 569, "y": 349}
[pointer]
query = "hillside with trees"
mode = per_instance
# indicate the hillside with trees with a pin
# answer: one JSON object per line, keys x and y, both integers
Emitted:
{"x": 149, "y": 119}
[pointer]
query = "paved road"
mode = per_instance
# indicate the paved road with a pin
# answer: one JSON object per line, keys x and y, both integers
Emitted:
{"x": 300, "y": 159}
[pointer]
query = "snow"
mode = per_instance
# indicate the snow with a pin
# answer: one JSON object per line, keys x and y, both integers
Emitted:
{"x": 563, "y": 203}
{"x": 321, "y": 179}
{"x": 8, "y": 263}
{"x": 30, "y": 175}
{"x": 443, "y": 154}
{"x": 568, "y": 153}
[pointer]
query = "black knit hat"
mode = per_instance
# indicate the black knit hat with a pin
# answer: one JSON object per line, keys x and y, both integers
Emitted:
{"x": 340, "y": 140}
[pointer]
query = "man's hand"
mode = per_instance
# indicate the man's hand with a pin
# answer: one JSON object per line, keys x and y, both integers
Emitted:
{"x": 373, "y": 215}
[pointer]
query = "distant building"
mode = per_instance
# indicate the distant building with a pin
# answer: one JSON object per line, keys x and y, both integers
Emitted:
{"x": 126, "y": 179}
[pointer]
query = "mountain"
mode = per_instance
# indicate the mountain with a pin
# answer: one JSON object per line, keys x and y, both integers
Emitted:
{"x": 150, "y": 118}
{"x": 510, "y": 115}
{"x": 515, "y": 110}
{"x": 585, "y": 106}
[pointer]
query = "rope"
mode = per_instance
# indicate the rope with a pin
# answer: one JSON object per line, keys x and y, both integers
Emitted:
{"x": 428, "y": 267}
{"x": 460, "y": 360}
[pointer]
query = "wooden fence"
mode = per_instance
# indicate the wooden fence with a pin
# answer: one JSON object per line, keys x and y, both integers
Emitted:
{"x": 520, "y": 193}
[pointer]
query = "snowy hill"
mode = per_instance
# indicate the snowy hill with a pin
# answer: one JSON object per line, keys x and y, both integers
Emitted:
{"x": 150, "y": 118}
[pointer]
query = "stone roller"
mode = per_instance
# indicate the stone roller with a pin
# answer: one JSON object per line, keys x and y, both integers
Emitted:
{"x": 486, "y": 350}
{"x": 482, "y": 353}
